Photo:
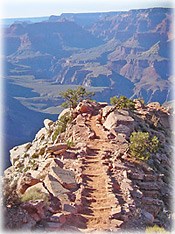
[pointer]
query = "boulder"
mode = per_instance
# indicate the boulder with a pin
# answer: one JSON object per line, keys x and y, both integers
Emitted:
{"x": 148, "y": 217}
{"x": 69, "y": 208}
{"x": 48, "y": 123}
{"x": 84, "y": 107}
{"x": 54, "y": 186}
{"x": 102, "y": 104}
{"x": 123, "y": 129}
{"x": 65, "y": 177}
{"x": 64, "y": 112}
{"x": 24, "y": 182}
{"x": 37, "y": 187}
{"x": 106, "y": 110}
{"x": 153, "y": 105}
{"x": 115, "y": 119}
{"x": 137, "y": 193}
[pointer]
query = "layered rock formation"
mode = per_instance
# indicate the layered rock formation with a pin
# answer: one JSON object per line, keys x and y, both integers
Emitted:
{"x": 84, "y": 179}
{"x": 99, "y": 49}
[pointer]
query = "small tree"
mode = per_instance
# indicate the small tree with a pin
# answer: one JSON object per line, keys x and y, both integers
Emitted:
{"x": 122, "y": 102}
{"x": 141, "y": 145}
{"x": 74, "y": 96}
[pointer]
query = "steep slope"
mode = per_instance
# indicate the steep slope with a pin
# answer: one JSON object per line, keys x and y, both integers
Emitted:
{"x": 93, "y": 49}
{"x": 154, "y": 23}
{"x": 20, "y": 123}
{"x": 85, "y": 179}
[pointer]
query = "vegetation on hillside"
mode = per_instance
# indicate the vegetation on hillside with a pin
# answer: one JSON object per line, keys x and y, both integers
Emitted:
{"x": 156, "y": 229}
{"x": 122, "y": 102}
{"x": 62, "y": 125}
{"x": 142, "y": 145}
{"x": 35, "y": 194}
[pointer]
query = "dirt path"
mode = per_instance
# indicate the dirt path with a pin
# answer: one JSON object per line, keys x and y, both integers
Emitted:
{"x": 99, "y": 201}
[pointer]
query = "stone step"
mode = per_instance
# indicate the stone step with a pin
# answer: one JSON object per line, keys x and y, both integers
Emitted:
{"x": 86, "y": 157}
{"x": 92, "y": 161}
{"x": 97, "y": 166}
{"x": 101, "y": 199}
{"x": 113, "y": 208}
{"x": 109, "y": 196}
{"x": 92, "y": 174}
{"x": 90, "y": 186}
{"x": 95, "y": 206}
{"x": 114, "y": 222}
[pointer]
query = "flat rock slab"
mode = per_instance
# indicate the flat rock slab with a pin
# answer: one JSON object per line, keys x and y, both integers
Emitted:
{"x": 65, "y": 177}
{"x": 54, "y": 186}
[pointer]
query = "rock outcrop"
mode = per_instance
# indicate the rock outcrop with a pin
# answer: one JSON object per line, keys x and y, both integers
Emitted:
{"x": 85, "y": 179}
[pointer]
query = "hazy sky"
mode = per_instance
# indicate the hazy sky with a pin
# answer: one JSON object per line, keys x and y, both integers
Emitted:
{"x": 35, "y": 8}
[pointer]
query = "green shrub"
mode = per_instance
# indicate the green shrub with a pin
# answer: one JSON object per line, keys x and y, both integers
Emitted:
{"x": 34, "y": 194}
{"x": 35, "y": 155}
{"x": 74, "y": 96}
{"x": 62, "y": 125}
{"x": 70, "y": 143}
{"x": 141, "y": 145}
{"x": 156, "y": 229}
{"x": 122, "y": 102}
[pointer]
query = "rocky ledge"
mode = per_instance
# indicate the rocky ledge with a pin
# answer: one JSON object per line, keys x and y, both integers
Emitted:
{"x": 85, "y": 179}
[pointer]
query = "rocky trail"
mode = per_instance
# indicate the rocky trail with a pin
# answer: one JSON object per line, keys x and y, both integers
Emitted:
{"x": 98, "y": 199}
{"x": 95, "y": 185}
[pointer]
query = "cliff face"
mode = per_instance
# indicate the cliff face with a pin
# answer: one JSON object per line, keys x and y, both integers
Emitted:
{"x": 94, "y": 49}
{"x": 85, "y": 177}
